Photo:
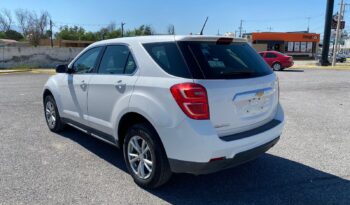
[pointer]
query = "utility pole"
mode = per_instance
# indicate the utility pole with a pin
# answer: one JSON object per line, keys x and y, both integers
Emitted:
{"x": 51, "y": 34}
{"x": 327, "y": 32}
{"x": 269, "y": 28}
{"x": 308, "y": 24}
{"x": 122, "y": 24}
{"x": 240, "y": 28}
{"x": 341, "y": 31}
{"x": 337, "y": 32}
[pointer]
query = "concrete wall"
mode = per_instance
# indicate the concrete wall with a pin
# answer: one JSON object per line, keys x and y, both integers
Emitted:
{"x": 42, "y": 57}
{"x": 260, "y": 47}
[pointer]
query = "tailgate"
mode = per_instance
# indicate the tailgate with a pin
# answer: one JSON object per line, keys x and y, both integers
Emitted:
{"x": 241, "y": 104}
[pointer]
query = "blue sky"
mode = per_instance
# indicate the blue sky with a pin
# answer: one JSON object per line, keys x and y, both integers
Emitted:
{"x": 187, "y": 15}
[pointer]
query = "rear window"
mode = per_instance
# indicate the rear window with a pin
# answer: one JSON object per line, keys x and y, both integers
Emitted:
{"x": 223, "y": 61}
{"x": 168, "y": 57}
{"x": 271, "y": 55}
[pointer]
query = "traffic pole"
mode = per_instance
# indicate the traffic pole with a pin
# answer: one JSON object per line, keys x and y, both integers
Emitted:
{"x": 327, "y": 32}
{"x": 337, "y": 32}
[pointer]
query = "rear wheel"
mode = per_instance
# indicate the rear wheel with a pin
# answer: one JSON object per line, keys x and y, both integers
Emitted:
{"x": 277, "y": 67}
{"x": 52, "y": 116}
{"x": 145, "y": 157}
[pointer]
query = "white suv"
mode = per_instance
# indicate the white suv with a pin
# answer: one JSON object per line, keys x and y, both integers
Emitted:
{"x": 174, "y": 104}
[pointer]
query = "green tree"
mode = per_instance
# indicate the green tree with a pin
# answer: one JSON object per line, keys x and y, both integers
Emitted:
{"x": 14, "y": 35}
{"x": 2, "y": 35}
{"x": 143, "y": 30}
{"x": 90, "y": 36}
{"x": 70, "y": 33}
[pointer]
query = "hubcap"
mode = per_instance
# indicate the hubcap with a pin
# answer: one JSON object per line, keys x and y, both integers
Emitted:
{"x": 277, "y": 66}
{"x": 140, "y": 157}
{"x": 50, "y": 114}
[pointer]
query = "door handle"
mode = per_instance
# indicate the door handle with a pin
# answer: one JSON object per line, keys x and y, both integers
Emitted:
{"x": 120, "y": 86}
{"x": 83, "y": 85}
{"x": 120, "y": 83}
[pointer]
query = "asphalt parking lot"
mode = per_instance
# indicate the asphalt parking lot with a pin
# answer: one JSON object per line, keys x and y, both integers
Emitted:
{"x": 310, "y": 164}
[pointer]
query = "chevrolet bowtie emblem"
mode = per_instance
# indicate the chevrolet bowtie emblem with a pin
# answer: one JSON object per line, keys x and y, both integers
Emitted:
{"x": 259, "y": 94}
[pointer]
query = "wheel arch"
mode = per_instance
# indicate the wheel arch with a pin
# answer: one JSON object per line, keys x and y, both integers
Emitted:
{"x": 129, "y": 119}
{"x": 46, "y": 93}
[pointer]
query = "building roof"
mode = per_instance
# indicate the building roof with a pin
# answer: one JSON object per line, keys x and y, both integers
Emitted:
{"x": 280, "y": 36}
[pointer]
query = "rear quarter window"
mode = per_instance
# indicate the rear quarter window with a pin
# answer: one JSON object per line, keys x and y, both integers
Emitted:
{"x": 168, "y": 57}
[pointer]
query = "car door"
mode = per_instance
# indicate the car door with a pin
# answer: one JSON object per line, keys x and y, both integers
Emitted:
{"x": 75, "y": 86}
{"x": 110, "y": 89}
{"x": 270, "y": 58}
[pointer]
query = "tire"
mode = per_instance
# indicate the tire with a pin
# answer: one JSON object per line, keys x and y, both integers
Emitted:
{"x": 160, "y": 170}
{"x": 50, "y": 110}
{"x": 276, "y": 67}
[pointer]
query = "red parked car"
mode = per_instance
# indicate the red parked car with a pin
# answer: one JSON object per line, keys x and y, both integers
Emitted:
{"x": 277, "y": 60}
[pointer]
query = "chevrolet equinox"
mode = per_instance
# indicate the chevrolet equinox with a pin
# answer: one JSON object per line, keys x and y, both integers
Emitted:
{"x": 173, "y": 104}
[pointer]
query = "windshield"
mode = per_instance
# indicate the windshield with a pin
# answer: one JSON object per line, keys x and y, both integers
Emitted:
{"x": 223, "y": 61}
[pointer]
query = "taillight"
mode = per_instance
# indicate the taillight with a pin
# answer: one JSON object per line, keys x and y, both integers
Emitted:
{"x": 192, "y": 99}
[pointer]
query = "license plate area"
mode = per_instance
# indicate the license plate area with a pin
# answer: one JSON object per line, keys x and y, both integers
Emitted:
{"x": 256, "y": 106}
{"x": 251, "y": 104}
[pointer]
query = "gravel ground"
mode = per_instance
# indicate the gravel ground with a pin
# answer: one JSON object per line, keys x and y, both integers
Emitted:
{"x": 310, "y": 164}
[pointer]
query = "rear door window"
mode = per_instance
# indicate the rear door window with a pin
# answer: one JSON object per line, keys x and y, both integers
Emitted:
{"x": 224, "y": 61}
{"x": 117, "y": 59}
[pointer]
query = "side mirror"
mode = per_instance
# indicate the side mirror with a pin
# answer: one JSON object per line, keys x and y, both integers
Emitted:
{"x": 61, "y": 68}
{"x": 70, "y": 70}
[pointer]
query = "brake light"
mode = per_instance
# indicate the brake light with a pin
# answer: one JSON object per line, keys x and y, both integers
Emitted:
{"x": 192, "y": 99}
{"x": 224, "y": 41}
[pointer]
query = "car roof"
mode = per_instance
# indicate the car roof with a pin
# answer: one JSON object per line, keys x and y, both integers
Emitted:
{"x": 163, "y": 38}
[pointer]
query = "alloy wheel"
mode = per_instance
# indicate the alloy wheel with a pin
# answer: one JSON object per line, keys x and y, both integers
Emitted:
{"x": 140, "y": 157}
{"x": 277, "y": 66}
{"x": 50, "y": 114}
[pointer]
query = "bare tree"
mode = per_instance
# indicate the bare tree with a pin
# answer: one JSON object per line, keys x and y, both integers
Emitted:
{"x": 33, "y": 26}
{"x": 111, "y": 27}
{"x": 5, "y": 20}
{"x": 171, "y": 29}
{"x": 23, "y": 19}
{"x": 43, "y": 22}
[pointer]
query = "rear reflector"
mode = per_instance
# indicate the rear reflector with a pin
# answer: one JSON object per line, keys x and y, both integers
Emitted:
{"x": 192, "y": 99}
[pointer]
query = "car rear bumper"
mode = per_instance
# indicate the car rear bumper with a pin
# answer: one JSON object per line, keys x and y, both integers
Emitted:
{"x": 196, "y": 142}
{"x": 287, "y": 64}
{"x": 197, "y": 168}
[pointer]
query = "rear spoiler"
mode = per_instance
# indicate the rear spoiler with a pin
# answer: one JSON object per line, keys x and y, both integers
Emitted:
{"x": 210, "y": 38}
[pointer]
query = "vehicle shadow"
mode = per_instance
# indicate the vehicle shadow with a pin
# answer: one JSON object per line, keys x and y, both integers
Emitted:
{"x": 267, "y": 180}
{"x": 105, "y": 151}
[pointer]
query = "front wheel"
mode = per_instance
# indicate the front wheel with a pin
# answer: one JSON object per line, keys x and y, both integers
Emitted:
{"x": 277, "y": 67}
{"x": 145, "y": 157}
{"x": 52, "y": 116}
